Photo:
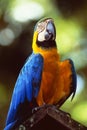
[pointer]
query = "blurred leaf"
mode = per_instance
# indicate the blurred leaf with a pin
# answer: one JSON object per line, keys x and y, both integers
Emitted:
{"x": 3, "y": 95}
{"x": 80, "y": 112}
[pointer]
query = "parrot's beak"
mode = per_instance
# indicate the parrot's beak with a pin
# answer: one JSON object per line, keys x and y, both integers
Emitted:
{"x": 50, "y": 32}
{"x": 46, "y": 30}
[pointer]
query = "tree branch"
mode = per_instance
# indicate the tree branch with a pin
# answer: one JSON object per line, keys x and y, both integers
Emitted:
{"x": 48, "y": 117}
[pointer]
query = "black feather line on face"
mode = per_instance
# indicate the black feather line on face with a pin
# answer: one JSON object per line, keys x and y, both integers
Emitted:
{"x": 47, "y": 44}
{"x": 44, "y": 19}
{"x": 41, "y": 20}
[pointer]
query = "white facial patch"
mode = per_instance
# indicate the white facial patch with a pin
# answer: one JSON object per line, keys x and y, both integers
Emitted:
{"x": 41, "y": 35}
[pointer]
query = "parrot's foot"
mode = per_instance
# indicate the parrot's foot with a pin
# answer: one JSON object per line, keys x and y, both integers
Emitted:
{"x": 40, "y": 107}
{"x": 37, "y": 108}
{"x": 21, "y": 127}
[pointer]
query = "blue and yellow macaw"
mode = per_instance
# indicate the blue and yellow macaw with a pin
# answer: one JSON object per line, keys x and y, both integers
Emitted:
{"x": 44, "y": 79}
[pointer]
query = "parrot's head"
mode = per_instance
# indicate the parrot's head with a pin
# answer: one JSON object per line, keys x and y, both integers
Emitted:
{"x": 45, "y": 34}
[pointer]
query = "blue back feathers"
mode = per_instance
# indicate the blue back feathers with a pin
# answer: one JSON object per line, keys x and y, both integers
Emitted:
{"x": 26, "y": 88}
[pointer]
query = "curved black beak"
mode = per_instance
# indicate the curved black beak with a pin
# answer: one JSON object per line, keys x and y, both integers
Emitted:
{"x": 50, "y": 31}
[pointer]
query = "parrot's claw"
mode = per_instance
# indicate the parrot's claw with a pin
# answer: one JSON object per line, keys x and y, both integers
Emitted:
{"x": 21, "y": 127}
{"x": 35, "y": 109}
{"x": 38, "y": 108}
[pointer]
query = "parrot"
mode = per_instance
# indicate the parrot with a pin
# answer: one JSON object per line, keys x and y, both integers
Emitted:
{"x": 44, "y": 78}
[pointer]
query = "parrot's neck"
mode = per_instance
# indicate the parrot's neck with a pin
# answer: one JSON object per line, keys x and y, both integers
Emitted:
{"x": 45, "y": 52}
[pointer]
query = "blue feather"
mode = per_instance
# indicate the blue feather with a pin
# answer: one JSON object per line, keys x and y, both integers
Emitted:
{"x": 26, "y": 89}
{"x": 74, "y": 79}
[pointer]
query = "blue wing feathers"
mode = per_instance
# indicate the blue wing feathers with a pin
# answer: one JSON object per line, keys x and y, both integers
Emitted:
{"x": 27, "y": 85}
{"x": 74, "y": 78}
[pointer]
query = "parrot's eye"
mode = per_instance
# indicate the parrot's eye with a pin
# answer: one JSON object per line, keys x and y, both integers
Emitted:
{"x": 41, "y": 26}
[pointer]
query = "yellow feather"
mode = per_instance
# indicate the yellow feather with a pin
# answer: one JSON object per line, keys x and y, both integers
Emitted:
{"x": 56, "y": 75}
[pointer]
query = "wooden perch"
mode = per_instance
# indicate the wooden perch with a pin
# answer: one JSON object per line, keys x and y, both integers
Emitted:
{"x": 48, "y": 117}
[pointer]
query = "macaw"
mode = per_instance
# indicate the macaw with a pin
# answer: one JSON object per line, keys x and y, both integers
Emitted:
{"x": 44, "y": 78}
